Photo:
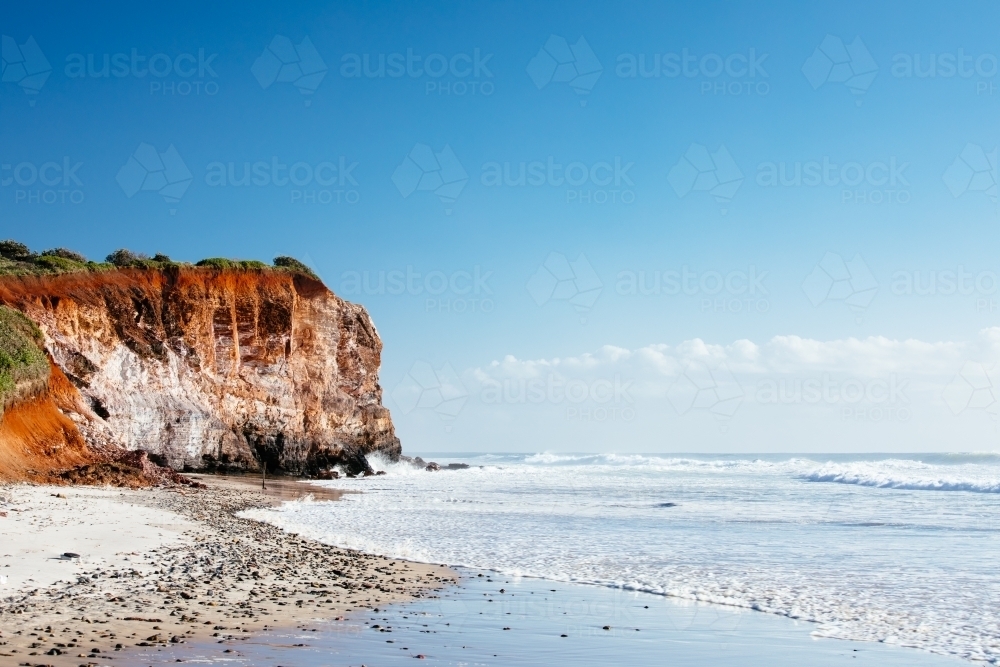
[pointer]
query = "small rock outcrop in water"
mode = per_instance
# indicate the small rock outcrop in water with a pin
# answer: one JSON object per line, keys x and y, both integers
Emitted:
{"x": 431, "y": 466}
{"x": 214, "y": 368}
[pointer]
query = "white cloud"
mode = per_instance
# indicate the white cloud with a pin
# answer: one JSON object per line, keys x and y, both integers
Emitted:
{"x": 873, "y": 356}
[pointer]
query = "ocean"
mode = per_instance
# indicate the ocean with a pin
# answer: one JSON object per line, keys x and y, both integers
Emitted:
{"x": 898, "y": 549}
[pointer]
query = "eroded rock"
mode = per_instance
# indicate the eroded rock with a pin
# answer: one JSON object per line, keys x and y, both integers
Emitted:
{"x": 215, "y": 369}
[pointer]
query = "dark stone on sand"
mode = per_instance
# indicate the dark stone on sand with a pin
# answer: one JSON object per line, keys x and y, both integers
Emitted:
{"x": 69, "y": 554}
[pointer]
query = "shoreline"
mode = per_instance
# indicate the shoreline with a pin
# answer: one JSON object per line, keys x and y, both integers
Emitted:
{"x": 180, "y": 567}
{"x": 310, "y": 602}
{"x": 493, "y": 619}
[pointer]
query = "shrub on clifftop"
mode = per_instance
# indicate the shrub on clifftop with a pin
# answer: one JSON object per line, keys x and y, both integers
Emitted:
{"x": 15, "y": 250}
{"x": 122, "y": 257}
{"x": 220, "y": 263}
{"x": 58, "y": 264}
{"x": 65, "y": 253}
{"x": 292, "y": 264}
{"x": 17, "y": 259}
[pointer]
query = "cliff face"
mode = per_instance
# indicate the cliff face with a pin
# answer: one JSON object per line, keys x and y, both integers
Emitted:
{"x": 209, "y": 369}
{"x": 36, "y": 436}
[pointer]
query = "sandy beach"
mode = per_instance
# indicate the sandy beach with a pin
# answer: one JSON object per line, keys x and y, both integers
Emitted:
{"x": 167, "y": 566}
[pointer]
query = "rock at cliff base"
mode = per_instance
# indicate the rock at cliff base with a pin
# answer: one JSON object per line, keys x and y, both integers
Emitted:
{"x": 355, "y": 463}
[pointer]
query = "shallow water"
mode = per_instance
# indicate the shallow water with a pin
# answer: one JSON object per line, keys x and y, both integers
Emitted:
{"x": 896, "y": 549}
{"x": 465, "y": 626}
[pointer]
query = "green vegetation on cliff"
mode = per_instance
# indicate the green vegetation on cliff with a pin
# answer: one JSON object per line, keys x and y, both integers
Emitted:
{"x": 21, "y": 357}
{"x": 16, "y": 259}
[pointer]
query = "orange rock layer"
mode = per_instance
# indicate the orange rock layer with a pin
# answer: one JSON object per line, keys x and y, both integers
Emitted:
{"x": 207, "y": 369}
{"x": 37, "y": 438}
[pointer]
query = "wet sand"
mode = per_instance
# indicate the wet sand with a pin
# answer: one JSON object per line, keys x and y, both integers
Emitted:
{"x": 162, "y": 568}
{"x": 499, "y": 621}
{"x": 273, "y": 490}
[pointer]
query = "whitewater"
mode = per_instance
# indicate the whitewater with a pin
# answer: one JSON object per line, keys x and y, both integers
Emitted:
{"x": 895, "y": 549}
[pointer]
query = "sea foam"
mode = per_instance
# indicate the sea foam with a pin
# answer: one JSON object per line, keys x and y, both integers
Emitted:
{"x": 863, "y": 557}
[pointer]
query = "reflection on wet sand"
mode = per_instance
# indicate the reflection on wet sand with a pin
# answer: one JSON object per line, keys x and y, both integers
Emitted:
{"x": 277, "y": 489}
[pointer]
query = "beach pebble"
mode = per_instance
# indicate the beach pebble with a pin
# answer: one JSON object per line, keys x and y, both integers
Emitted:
{"x": 239, "y": 571}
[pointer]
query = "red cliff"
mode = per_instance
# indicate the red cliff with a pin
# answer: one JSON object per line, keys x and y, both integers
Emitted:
{"x": 212, "y": 369}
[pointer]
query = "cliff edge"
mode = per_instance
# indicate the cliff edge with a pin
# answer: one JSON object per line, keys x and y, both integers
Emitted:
{"x": 209, "y": 368}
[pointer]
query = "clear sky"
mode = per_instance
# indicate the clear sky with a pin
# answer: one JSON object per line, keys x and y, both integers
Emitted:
{"x": 717, "y": 226}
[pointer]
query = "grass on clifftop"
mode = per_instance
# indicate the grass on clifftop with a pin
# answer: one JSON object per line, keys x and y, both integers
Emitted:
{"x": 16, "y": 259}
{"x": 21, "y": 355}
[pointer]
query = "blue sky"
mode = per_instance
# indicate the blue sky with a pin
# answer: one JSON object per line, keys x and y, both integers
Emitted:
{"x": 832, "y": 84}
